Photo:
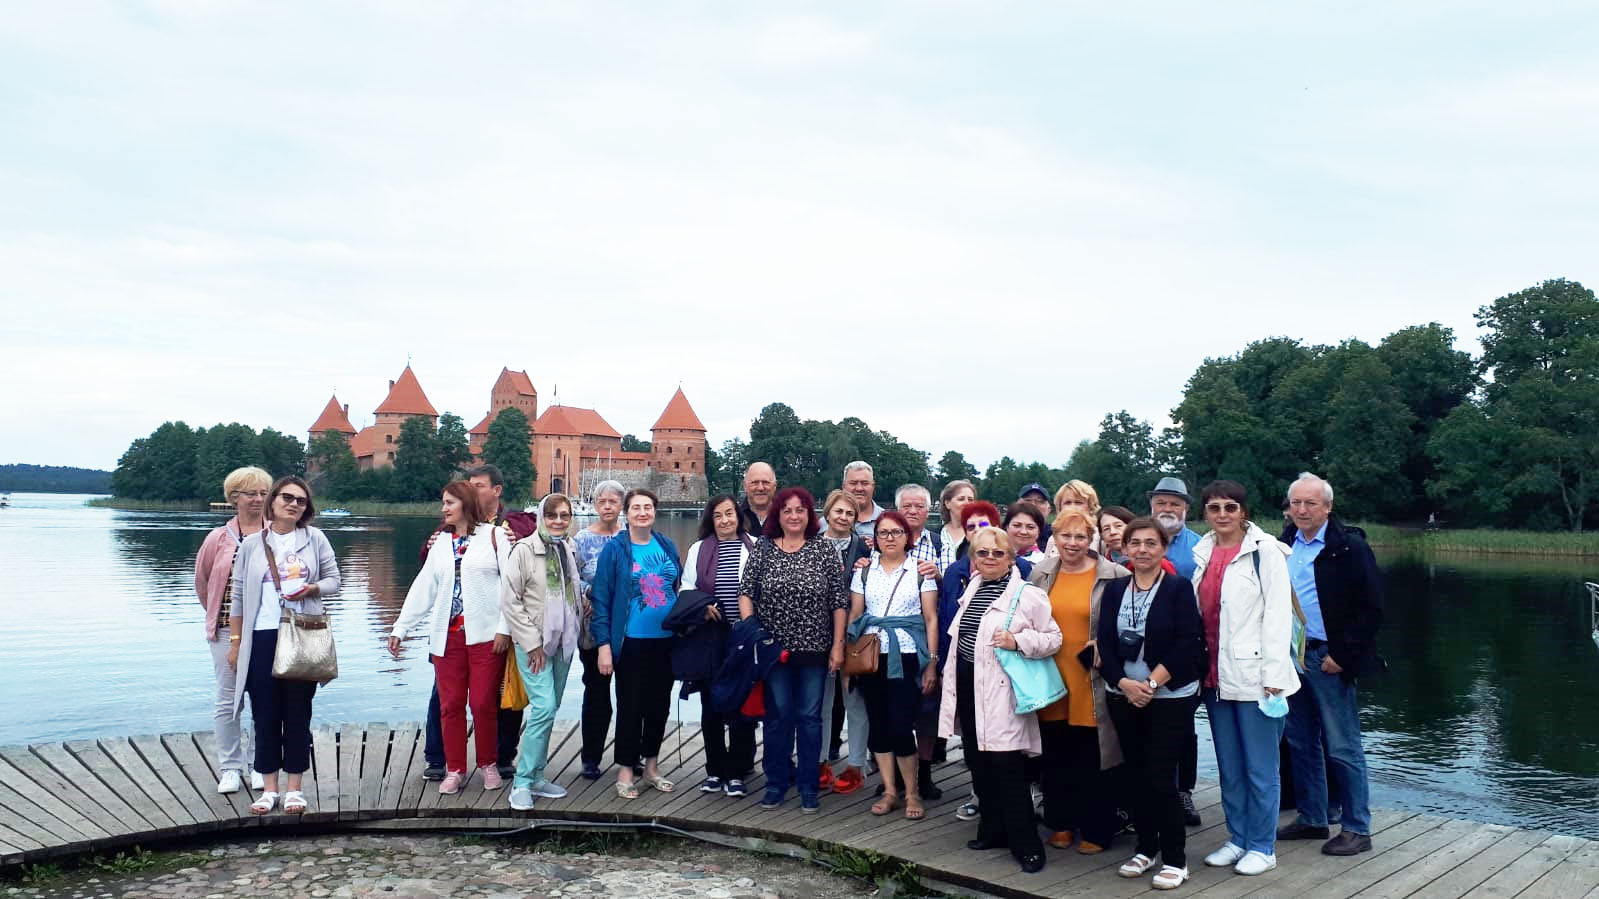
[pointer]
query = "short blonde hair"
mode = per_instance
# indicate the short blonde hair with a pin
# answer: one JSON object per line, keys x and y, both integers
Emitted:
{"x": 1081, "y": 490}
{"x": 836, "y": 497}
{"x": 1075, "y": 516}
{"x": 248, "y": 478}
{"x": 992, "y": 535}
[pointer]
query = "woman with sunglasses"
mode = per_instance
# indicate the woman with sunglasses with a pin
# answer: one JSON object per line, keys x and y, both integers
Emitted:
{"x": 286, "y": 565}
{"x": 1246, "y": 603}
{"x": 999, "y": 610}
{"x": 1151, "y": 654}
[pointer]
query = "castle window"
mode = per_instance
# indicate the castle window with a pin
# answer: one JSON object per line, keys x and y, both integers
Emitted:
{"x": 557, "y": 453}
{"x": 677, "y": 464}
{"x": 388, "y": 438}
{"x": 391, "y": 457}
{"x": 691, "y": 466}
{"x": 669, "y": 451}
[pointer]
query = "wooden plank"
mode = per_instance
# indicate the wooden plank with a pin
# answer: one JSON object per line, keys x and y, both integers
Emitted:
{"x": 34, "y": 822}
{"x": 1565, "y": 880}
{"x": 404, "y": 744}
{"x": 413, "y": 789}
{"x": 1390, "y": 827}
{"x": 1521, "y": 873}
{"x": 351, "y": 743}
{"x": 121, "y": 751}
{"x": 13, "y": 840}
{"x": 194, "y": 768}
{"x": 89, "y": 754}
{"x": 239, "y": 801}
{"x": 1364, "y": 870}
{"x": 374, "y": 765}
{"x": 1423, "y": 871}
{"x": 1462, "y": 880}
{"x": 324, "y": 774}
{"x": 122, "y": 817}
{"x": 153, "y": 751}
{"x": 34, "y": 781}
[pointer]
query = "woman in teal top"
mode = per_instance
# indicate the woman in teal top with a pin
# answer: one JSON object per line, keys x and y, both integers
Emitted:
{"x": 635, "y": 586}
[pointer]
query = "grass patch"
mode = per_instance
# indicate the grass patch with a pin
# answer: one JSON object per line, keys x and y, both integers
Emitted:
{"x": 1486, "y": 541}
{"x": 137, "y": 860}
{"x": 147, "y": 505}
{"x": 890, "y": 875}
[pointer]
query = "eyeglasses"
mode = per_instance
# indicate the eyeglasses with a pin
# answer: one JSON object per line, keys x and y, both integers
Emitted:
{"x": 251, "y": 494}
{"x": 979, "y": 523}
{"x": 294, "y": 499}
{"x": 1229, "y": 508}
{"x": 559, "y": 516}
{"x": 890, "y": 534}
{"x": 990, "y": 553}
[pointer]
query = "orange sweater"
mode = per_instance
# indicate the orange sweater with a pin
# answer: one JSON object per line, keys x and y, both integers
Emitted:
{"x": 1069, "y": 604}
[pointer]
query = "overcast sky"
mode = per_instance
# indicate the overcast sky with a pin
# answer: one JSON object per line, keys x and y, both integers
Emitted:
{"x": 979, "y": 226}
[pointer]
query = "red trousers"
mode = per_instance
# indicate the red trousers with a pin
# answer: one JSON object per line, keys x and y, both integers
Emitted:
{"x": 468, "y": 675}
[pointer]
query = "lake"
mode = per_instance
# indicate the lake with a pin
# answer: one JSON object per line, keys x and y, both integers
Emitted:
{"x": 1490, "y": 710}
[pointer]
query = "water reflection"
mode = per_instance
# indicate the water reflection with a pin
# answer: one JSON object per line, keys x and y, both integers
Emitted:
{"x": 1490, "y": 709}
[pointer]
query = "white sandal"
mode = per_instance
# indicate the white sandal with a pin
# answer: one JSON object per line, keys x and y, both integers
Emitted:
{"x": 1135, "y": 866}
{"x": 265, "y": 804}
{"x": 1169, "y": 878}
{"x": 294, "y": 803}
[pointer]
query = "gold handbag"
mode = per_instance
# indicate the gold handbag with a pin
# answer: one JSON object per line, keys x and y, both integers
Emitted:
{"x": 305, "y": 641}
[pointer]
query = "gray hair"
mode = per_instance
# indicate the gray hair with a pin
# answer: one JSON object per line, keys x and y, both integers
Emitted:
{"x": 605, "y": 487}
{"x": 927, "y": 495}
{"x": 859, "y": 465}
{"x": 1306, "y": 477}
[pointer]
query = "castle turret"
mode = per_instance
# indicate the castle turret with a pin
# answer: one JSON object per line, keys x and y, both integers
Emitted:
{"x": 677, "y": 453}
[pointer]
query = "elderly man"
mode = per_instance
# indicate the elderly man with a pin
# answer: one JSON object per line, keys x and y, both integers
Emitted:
{"x": 860, "y": 482}
{"x": 760, "y": 485}
{"x": 1036, "y": 494}
{"x": 927, "y": 547}
{"x": 1168, "y": 505}
{"x": 1335, "y": 576}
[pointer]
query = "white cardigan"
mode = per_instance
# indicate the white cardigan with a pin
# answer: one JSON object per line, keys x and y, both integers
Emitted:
{"x": 1254, "y": 643}
{"x": 430, "y": 593}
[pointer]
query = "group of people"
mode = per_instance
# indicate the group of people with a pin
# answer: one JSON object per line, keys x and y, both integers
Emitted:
{"x": 848, "y": 622}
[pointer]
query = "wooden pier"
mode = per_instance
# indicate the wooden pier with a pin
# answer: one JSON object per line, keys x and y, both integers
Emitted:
{"x": 62, "y": 799}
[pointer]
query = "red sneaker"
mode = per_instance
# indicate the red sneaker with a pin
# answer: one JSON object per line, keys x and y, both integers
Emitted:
{"x": 849, "y": 781}
{"x": 825, "y": 781}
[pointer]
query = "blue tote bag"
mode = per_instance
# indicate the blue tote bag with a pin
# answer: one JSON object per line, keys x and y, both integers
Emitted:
{"x": 1035, "y": 682}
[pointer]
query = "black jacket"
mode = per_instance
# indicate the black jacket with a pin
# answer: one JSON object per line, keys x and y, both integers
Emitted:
{"x": 751, "y": 653}
{"x": 1174, "y": 636}
{"x": 697, "y": 651}
{"x": 1349, "y": 591}
{"x": 752, "y": 523}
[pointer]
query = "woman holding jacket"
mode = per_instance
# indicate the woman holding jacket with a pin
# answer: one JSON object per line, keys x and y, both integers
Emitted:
{"x": 541, "y": 599}
{"x": 978, "y": 702}
{"x": 1080, "y": 743}
{"x": 1247, "y": 606}
{"x": 305, "y": 573}
{"x": 715, "y": 565}
{"x": 458, "y": 593}
{"x": 1151, "y": 655}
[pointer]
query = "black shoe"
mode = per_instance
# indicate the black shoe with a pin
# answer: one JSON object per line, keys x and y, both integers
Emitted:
{"x": 507, "y": 771}
{"x": 1347, "y": 843}
{"x": 1032, "y": 862}
{"x": 1190, "y": 814}
{"x": 591, "y": 771}
{"x": 982, "y": 845}
{"x": 925, "y": 786}
{"x": 1298, "y": 831}
{"x": 433, "y": 772}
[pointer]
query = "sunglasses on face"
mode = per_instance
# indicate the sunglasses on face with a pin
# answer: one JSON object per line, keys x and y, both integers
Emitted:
{"x": 979, "y": 523}
{"x": 292, "y": 499}
{"x": 1229, "y": 508}
{"x": 990, "y": 553}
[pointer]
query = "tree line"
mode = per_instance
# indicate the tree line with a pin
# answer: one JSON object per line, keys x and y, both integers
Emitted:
{"x": 53, "y": 479}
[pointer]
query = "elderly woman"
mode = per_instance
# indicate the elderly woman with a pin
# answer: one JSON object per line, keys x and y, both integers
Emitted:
{"x": 1079, "y": 741}
{"x": 589, "y": 542}
{"x": 1112, "y": 523}
{"x": 1247, "y": 606}
{"x": 1077, "y": 494}
{"x": 457, "y": 592}
{"x": 951, "y": 500}
{"x": 901, "y": 613}
{"x": 635, "y": 586}
{"x": 839, "y": 702}
{"x": 286, "y": 565}
{"x": 999, "y": 610}
{"x": 246, "y": 490}
{"x": 715, "y": 565}
{"x": 540, "y": 597}
{"x": 1025, "y": 524}
{"x": 795, "y": 583}
{"x": 1151, "y": 654}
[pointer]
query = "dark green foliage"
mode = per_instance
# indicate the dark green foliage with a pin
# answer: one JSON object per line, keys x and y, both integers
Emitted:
{"x": 507, "y": 449}
{"x": 1123, "y": 463}
{"x": 419, "y": 469}
{"x": 631, "y": 444}
{"x": 222, "y": 448}
{"x": 812, "y": 454}
{"x": 455, "y": 452}
{"x": 53, "y": 479}
{"x": 160, "y": 466}
{"x": 280, "y": 453}
{"x": 336, "y": 468}
{"x": 952, "y": 466}
{"x": 724, "y": 468}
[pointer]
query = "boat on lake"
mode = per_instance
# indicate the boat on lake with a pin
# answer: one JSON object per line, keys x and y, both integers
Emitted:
{"x": 334, "y": 513}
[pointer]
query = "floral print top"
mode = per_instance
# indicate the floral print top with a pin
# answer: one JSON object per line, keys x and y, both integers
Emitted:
{"x": 795, "y": 594}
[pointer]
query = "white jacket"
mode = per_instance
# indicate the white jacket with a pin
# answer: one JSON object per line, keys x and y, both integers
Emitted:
{"x": 486, "y": 556}
{"x": 1254, "y": 646}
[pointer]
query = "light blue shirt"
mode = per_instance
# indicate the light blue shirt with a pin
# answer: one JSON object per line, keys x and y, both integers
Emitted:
{"x": 1181, "y": 552}
{"x": 1302, "y": 571}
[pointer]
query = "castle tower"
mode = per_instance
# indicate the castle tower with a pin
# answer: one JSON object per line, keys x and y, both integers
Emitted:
{"x": 375, "y": 446}
{"x": 512, "y": 389}
{"x": 677, "y": 453}
{"x": 334, "y": 417}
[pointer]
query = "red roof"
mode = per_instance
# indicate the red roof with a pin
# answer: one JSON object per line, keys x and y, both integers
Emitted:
{"x": 679, "y": 415}
{"x": 482, "y": 427}
{"x": 406, "y": 397}
{"x": 519, "y": 381}
{"x": 333, "y": 419}
{"x": 573, "y": 422}
{"x": 365, "y": 443}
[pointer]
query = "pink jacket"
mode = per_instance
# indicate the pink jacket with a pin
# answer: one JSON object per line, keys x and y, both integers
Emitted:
{"x": 212, "y": 569}
{"x": 999, "y": 728}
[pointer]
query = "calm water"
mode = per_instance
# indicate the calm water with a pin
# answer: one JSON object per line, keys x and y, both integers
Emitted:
{"x": 1490, "y": 711}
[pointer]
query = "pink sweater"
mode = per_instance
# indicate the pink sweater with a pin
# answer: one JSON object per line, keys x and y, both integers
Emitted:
{"x": 212, "y": 569}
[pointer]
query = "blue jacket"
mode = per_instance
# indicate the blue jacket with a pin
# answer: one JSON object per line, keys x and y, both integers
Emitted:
{"x": 751, "y": 653}
{"x": 615, "y": 592}
{"x": 956, "y": 577}
{"x": 1181, "y": 551}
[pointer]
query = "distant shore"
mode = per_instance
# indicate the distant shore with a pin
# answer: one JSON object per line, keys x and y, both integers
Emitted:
{"x": 354, "y": 507}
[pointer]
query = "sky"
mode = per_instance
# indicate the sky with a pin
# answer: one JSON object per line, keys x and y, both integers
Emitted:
{"x": 979, "y": 226}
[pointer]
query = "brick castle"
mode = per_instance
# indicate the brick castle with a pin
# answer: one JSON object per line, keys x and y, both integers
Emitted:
{"x": 573, "y": 449}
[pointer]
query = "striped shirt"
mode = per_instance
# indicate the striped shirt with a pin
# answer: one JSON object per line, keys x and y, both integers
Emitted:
{"x": 973, "y": 614}
{"x": 727, "y": 578}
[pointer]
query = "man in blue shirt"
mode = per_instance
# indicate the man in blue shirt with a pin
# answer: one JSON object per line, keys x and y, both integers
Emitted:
{"x": 1168, "y": 505}
{"x": 1335, "y": 577}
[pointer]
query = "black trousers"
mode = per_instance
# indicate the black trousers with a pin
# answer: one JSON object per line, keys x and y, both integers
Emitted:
{"x": 1000, "y": 779}
{"x": 891, "y": 707}
{"x": 1077, "y": 794}
{"x": 643, "y": 698}
{"x": 729, "y": 742}
{"x": 596, "y": 722}
{"x": 281, "y": 710}
{"x": 1188, "y": 763}
{"x": 1153, "y": 740}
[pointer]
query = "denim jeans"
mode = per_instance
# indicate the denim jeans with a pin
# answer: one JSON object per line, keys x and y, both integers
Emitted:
{"x": 543, "y": 699}
{"x": 1326, "y": 711}
{"x": 1246, "y": 758}
{"x": 794, "y": 722}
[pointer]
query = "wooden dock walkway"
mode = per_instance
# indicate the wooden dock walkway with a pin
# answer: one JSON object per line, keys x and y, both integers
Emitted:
{"x": 59, "y": 799}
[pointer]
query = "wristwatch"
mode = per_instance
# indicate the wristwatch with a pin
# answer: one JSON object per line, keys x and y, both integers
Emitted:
{"x": 1152, "y": 685}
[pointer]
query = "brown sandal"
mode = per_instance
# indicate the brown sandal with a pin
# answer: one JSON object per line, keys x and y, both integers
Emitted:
{"x": 913, "y": 809}
{"x": 888, "y": 803}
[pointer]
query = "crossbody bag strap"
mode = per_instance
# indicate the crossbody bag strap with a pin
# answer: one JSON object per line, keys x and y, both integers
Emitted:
{"x": 1015, "y": 600}
{"x": 272, "y": 563}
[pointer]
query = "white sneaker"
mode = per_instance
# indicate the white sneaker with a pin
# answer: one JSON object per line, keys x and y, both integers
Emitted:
{"x": 230, "y": 782}
{"x": 1226, "y": 855}
{"x": 1254, "y": 863}
{"x": 521, "y": 799}
{"x": 548, "y": 789}
{"x": 257, "y": 782}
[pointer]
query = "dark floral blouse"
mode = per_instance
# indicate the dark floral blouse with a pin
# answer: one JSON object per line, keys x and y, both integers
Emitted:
{"x": 796, "y": 593}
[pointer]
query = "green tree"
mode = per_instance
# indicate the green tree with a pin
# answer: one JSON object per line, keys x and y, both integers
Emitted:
{"x": 219, "y": 450}
{"x": 280, "y": 453}
{"x": 419, "y": 471}
{"x": 1432, "y": 379}
{"x": 160, "y": 466}
{"x": 1368, "y": 440}
{"x": 336, "y": 469}
{"x": 455, "y": 451}
{"x": 631, "y": 444}
{"x": 952, "y": 466}
{"x": 724, "y": 468}
{"x": 1122, "y": 463}
{"x": 507, "y": 448}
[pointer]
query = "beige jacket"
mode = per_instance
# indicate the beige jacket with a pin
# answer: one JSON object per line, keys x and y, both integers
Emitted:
{"x": 532, "y": 607}
{"x": 1110, "y": 746}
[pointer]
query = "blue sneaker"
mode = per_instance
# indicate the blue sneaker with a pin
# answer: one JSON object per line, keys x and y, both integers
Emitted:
{"x": 773, "y": 798}
{"x": 810, "y": 803}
